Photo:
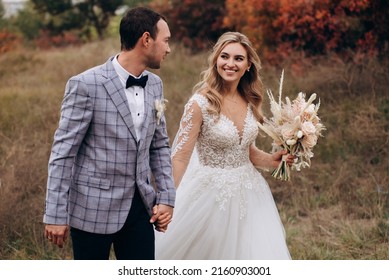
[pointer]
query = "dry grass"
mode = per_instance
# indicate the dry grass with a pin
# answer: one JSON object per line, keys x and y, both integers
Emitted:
{"x": 338, "y": 209}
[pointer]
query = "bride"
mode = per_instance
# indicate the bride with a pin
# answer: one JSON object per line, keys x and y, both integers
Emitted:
{"x": 224, "y": 207}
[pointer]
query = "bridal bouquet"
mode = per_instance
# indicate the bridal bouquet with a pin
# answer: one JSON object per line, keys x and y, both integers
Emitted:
{"x": 294, "y": 126}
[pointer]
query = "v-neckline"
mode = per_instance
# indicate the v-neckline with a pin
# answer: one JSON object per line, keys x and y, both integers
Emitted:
{"x": 238, "y": 132}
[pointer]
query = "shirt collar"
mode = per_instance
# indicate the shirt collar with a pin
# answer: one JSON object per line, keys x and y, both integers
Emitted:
{"x": 123, "y": 73}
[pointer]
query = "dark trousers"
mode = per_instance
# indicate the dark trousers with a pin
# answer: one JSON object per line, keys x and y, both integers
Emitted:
{"x": 135, "y": 241}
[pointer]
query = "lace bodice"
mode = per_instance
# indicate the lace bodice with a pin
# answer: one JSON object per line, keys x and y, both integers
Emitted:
{"x": 217, "y": 140}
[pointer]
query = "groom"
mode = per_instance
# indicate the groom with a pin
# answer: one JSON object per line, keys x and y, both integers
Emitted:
{"x": 108, "y": 144}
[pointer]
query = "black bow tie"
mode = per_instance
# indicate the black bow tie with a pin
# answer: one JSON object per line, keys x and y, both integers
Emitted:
{"x": 131, "y": 81}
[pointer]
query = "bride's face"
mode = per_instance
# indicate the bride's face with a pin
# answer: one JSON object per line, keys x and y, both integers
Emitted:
{"x": 232, "y": 62}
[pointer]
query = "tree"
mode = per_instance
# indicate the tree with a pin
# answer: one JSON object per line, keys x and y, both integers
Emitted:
{"x": 63, "y": 15}
{"x": 196, "y": 23}
{"x": 134, "y": 3}
{"x": 311, "y": 26}
{"x": 28, "y": 22}
{"x": 9, "y": 40}
{"x": 375, "y": 22}
{"x": 2, "y": 12}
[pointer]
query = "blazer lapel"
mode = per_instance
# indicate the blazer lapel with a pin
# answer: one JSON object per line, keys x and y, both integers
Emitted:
{"x": 116, "y": 91}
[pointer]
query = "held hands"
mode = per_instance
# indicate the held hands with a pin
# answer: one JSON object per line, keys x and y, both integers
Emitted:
{"x": 56, "y": 234}
{"x": 162, "y": 216}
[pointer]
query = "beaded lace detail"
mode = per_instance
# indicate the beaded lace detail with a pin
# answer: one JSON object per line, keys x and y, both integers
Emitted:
{"x": 219, "y": 144}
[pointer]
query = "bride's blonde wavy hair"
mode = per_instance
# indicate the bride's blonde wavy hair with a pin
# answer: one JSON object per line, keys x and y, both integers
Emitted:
{"x": 250, "y": 86}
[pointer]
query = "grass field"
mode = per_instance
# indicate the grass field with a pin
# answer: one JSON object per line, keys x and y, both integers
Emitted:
{"x": 337, "y": 209}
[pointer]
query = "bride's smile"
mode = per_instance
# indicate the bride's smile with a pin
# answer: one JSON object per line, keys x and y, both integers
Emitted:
{"x": 232, "y": 62}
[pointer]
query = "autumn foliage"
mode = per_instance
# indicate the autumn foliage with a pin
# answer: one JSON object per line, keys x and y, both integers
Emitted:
{"x": 8, "y": 41}
{"x": 45, "y": 40}
{"x": 312, "y": 26}
{"x": 195, "y": 23}
{"x": 283, "y": 26}
{"x": 277, "y": 28}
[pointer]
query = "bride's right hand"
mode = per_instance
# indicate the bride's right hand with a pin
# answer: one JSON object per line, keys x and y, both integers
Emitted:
{"x": 162, "y": 216}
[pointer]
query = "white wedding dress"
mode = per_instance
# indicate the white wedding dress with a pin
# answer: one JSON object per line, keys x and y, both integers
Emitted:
{"x": 224, "y": 207}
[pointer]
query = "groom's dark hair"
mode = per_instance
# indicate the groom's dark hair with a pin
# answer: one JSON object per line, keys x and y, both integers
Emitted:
{"x": 136, "y": 22}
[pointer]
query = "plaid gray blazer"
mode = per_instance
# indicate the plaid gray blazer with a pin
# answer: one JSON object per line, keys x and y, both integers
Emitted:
{"x": 96, "y": 161}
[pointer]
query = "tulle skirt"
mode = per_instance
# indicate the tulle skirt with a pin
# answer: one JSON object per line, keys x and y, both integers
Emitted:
{"x": 223, "y": 214}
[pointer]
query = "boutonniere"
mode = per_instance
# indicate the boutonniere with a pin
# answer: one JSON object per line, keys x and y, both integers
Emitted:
{"x": 160, "y": 107}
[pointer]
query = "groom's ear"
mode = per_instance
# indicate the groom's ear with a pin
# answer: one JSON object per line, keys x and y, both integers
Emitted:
{"x": 145, "y": 39}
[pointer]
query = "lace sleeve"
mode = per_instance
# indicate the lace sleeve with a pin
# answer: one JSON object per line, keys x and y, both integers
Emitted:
{"x": 259, "y": 158}
{"x": 185, "y": 140}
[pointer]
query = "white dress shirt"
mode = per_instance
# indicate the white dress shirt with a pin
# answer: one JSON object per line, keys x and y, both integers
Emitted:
{"x": 135, "y": 97}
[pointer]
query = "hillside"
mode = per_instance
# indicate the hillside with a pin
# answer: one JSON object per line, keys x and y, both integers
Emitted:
{"x": 337, "y": 209}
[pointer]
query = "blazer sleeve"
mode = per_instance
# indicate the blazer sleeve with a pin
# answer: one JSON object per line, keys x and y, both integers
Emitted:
{"x": 161, "y": 165}
{"x": 76, "y": 115}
